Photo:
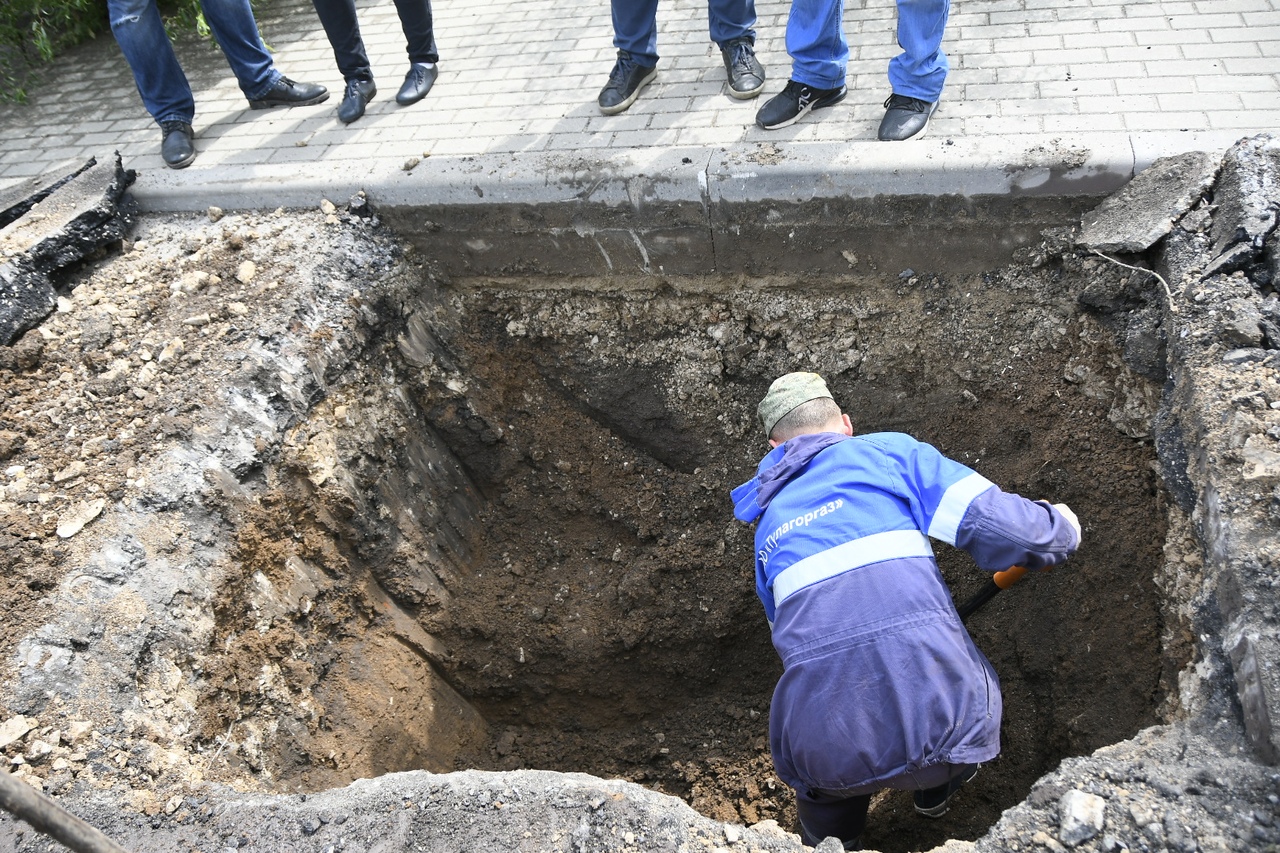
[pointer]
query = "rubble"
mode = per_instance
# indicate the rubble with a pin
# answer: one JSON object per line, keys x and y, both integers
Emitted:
{"x": 59, "y": 225}
{"x": 250, "y": 463}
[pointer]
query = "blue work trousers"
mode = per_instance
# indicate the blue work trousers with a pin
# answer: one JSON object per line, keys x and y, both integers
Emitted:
{"x": 165, "y": 92}
{"x": 635, "y": 25}
{"x": 820, "y": 53}
{"x": 843, "y": 814}
{"x": 338, "y": 17}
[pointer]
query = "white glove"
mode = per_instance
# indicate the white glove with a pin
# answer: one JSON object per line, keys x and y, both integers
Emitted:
{"x": 1071, "y": 519}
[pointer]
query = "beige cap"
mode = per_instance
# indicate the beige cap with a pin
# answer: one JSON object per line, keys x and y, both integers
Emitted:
{"x": 786, "y": 393}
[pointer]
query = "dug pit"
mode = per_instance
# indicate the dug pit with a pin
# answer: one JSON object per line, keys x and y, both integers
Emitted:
{"x": 503, "y": 539}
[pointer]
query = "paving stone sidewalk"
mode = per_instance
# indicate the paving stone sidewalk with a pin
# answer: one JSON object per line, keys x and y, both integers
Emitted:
{"x": 1040, "y": 92}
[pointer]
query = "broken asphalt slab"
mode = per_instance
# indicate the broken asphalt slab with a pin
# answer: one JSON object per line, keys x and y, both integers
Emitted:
{"x": 70, "y": 218}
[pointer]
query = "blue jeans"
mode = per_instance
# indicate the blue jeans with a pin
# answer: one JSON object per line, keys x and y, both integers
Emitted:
{"x": 635, "y": 25}
{"x": 165, "y": 92}
{"x": 820, "y": 54}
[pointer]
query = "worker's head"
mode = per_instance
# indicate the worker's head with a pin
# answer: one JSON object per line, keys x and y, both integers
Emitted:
{"x": 798, "y": 404}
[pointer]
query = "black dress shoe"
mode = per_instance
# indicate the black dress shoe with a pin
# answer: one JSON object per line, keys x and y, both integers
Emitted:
{"x": 286, "y": 93}
{"x": 417, "y": 83}
{"x": 358, "y": 94}
{"x": 175, "y": 146}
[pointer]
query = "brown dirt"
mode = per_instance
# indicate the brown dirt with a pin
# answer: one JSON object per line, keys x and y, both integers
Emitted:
{"x": 588, "y": 584}
{"x": 627, "y": 586}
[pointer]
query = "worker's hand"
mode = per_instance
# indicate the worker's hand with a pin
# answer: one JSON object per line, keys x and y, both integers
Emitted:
{"x": 1071, "y": 519}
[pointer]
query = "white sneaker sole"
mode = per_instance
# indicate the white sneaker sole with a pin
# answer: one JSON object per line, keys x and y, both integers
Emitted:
{"x": 804, "y": 111}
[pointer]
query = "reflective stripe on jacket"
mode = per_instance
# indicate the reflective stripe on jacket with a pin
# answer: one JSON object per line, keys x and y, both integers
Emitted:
{"x": 880, "y": 678}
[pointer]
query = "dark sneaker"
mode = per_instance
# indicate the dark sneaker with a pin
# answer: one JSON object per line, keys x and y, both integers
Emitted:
{"x": 790, "y": 105}
{"x": 625, "y": 82}
{"x": 746, "y": 74}
{"x": 355, "y": 98}
{"x": 175, "y": 146}
{"x": 286, "y": 93}
{"x": 934, "y": 802}
{"x": 905, "y": 118}
{"x": 419, "y": 80}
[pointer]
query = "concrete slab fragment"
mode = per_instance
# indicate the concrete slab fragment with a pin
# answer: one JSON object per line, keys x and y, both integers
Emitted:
{"x": 78, "y": 217}
{"x": 17, "y": 199}
{"x": 1133, "y": 219}
{"x": 1248, "y": 194}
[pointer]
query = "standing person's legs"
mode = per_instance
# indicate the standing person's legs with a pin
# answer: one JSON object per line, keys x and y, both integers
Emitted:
{"x": 731, "y": 19}
{"x": 236, "y": 31}
{"x": 816, "y": 43}
{"x": 635, "y": 29}
{"x": 635, "y": 35}
{"x": 732, "y": 25}
{"x": 419, "y": 31}
{"x": 921, "y": 69}
{"x": 165, "y": 92}
{"x": 916, "y": 75}
{"x": 823, "y": 815}
{"x": 164, "y": 88}
{"x": 338, "y": 17}
{"x": 819, "y": 59}
{"x": 415, "y": 20}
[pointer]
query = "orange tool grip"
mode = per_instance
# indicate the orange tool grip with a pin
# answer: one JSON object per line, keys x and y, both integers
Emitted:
{"x": 1009, "y": 576}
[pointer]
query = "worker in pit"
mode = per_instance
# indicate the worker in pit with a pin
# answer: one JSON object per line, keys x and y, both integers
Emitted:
{"x": 882, "y": 686}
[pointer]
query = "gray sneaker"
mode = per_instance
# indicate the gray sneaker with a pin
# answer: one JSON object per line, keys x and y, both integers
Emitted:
{"x": 905, "y": 118}
{"x": 746, "y": 74}
{"x": 625, "y": 82}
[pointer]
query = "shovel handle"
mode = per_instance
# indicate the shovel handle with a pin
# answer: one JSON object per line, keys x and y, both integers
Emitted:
{"x": 999, "y": 581}
{"x": 1009, "y": 576}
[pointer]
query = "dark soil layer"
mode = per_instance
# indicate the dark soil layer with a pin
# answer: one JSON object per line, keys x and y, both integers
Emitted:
{"x": 486, "y": 524}
{"x": 610, "y": 624}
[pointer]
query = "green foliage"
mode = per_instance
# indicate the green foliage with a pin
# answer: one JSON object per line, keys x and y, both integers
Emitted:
{"x": 33, "y": 32}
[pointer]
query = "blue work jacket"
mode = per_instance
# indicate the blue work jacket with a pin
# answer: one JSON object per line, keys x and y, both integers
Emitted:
{"x": 880, "y": 677}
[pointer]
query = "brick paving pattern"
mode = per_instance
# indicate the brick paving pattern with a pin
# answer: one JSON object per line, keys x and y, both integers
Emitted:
{"x": 1146, "y": 76}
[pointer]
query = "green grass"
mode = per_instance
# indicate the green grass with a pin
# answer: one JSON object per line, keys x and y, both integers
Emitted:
{"x": 34, "y": 32}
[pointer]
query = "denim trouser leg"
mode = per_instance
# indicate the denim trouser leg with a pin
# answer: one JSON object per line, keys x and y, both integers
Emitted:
{"x": 338, "y": 17}
{"x": 140, "y": 33}
{"x": 816, "y": 43}
{"x": 731, "y": 19}
{"x": 635, "y": 29}
{"x": 921, "y": 69}
{"x": 415, "y": 20}
{"x": 237, "y": 34}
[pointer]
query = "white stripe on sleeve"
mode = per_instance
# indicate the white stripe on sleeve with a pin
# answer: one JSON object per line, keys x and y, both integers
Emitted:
{"x": 954, "y": 504}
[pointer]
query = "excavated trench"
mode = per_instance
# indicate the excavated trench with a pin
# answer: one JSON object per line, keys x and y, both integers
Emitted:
{"x": 505, "y": 540}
